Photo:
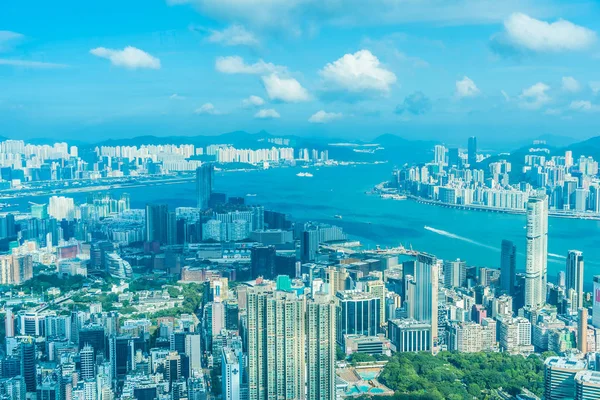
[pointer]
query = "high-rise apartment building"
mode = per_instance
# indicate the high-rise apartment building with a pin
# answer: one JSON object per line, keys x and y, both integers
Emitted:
{"x": 276, "y": 344}
{"x": 321, "y": 347}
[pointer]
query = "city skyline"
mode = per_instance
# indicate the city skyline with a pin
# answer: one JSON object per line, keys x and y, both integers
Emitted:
{"x": 423, "y": 70}
{"x": 299, "y": 200}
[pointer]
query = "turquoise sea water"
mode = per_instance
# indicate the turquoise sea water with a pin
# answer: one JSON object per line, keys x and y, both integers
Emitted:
{"x": 447, "y": 233}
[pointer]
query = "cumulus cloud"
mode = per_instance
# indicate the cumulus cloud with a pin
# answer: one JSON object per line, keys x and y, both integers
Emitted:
{"x": 358, "y": 73}
{"x": 288, "y": 90}
{"x": 253, "y": 101}
{"x": 30, "y": 64}
{"x": 8, "y": 39}
{"x": 535, "y": 97}
{"x": 237, "y": 65}
{"x": 323, "y": 117}
{"x": 207, "y": 109}
{"x": 523, "y": 33}
{"x": 234, "y": 35}
{"x": 570, "y": 84}
{"x": 267, "y": 113}
{"x": 466, "y": 88}
{"x": 130, "y": 57}
{"x": 416, "y": 103}
{"x": 595, "y": 86}
{"x": 584, "y": 106}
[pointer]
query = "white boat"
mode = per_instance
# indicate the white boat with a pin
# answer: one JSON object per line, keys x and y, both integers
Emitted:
{"x": 305, "y": 174}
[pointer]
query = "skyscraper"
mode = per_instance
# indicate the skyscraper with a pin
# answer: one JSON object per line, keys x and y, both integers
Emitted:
{"x": 536, "y": 269}
{"x": 440, "y": 154}
{"x": 156, "y": 222}
{"x": 424, "y": 293}
{"x": 455, "y": 273}
{"x": 204, "y": 184}
{"x": 86, "y": 356}
{"x": 358, "y": 314}
{"x": 508, "y": 267}
{"x": 231, "y": 374}
{"x": 262, "y": 261}
{"x": 320, "y": 338}
{"x": 596, "y": 302}
{"x": 276, "y": 344}
{"x": 574, "y": 278}
{"x": 582, "y": 329}
{"x": 472, "y": 151}
{"x": 27, "y": 349}
{"x": 454, "y": 158}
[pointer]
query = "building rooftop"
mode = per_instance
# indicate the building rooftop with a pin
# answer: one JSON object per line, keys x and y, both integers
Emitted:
{"x": 588, "y": 377}
{"x": 354, "y": 295}
{"x": 409, "y": 323}
{"x": 566, "y": 363}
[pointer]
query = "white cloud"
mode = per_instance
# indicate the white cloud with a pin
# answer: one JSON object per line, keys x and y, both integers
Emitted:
{"x": 130, "y": 57}
{"x": 523, "y": 32}
{"x": 234, "y": 35}
{"x": 207, "y": 109}
{"x": 175, "y": 96}
{"x": 30, "y": 64}
{"x": 358, "y": 72}
{"x": 8, "y": 39}
{"x": 584, "y": 106}
{"x": 323, "y": 117}
{"x": 267, "y": 113}
{"x": 553, "y": 111}
{"x": 536, "y": 96}
{"x": 595, "y": 86}
{"x": 570, "y": 84}
{"x": 237, "y": 65}
{"x": 299, "y": 15}
{"x": 505, "y": 95}
{"x": 253, "y": 101}
{"x": 466, "y": 88}
{"x": 288, "y": 90}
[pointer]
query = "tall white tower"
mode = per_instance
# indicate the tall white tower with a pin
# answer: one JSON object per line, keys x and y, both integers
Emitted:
{"x": 536, "y": 270}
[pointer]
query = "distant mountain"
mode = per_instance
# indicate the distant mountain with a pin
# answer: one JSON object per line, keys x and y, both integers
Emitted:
{"x": 589, "y": 147}
{"x": 517, "y": 158}
{"x": 557, "y": 140}
{"x": 236, "y": 138}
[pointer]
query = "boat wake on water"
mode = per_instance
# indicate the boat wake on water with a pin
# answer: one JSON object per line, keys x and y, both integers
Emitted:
{"x": 457, "y": 237}
{"x": 553, "y": 258}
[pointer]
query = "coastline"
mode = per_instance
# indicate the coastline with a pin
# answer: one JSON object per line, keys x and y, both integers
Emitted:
{"x": 381, "y": 189}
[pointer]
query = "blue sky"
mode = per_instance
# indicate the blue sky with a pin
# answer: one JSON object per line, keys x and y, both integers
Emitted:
{"x": 441, "y": 69}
